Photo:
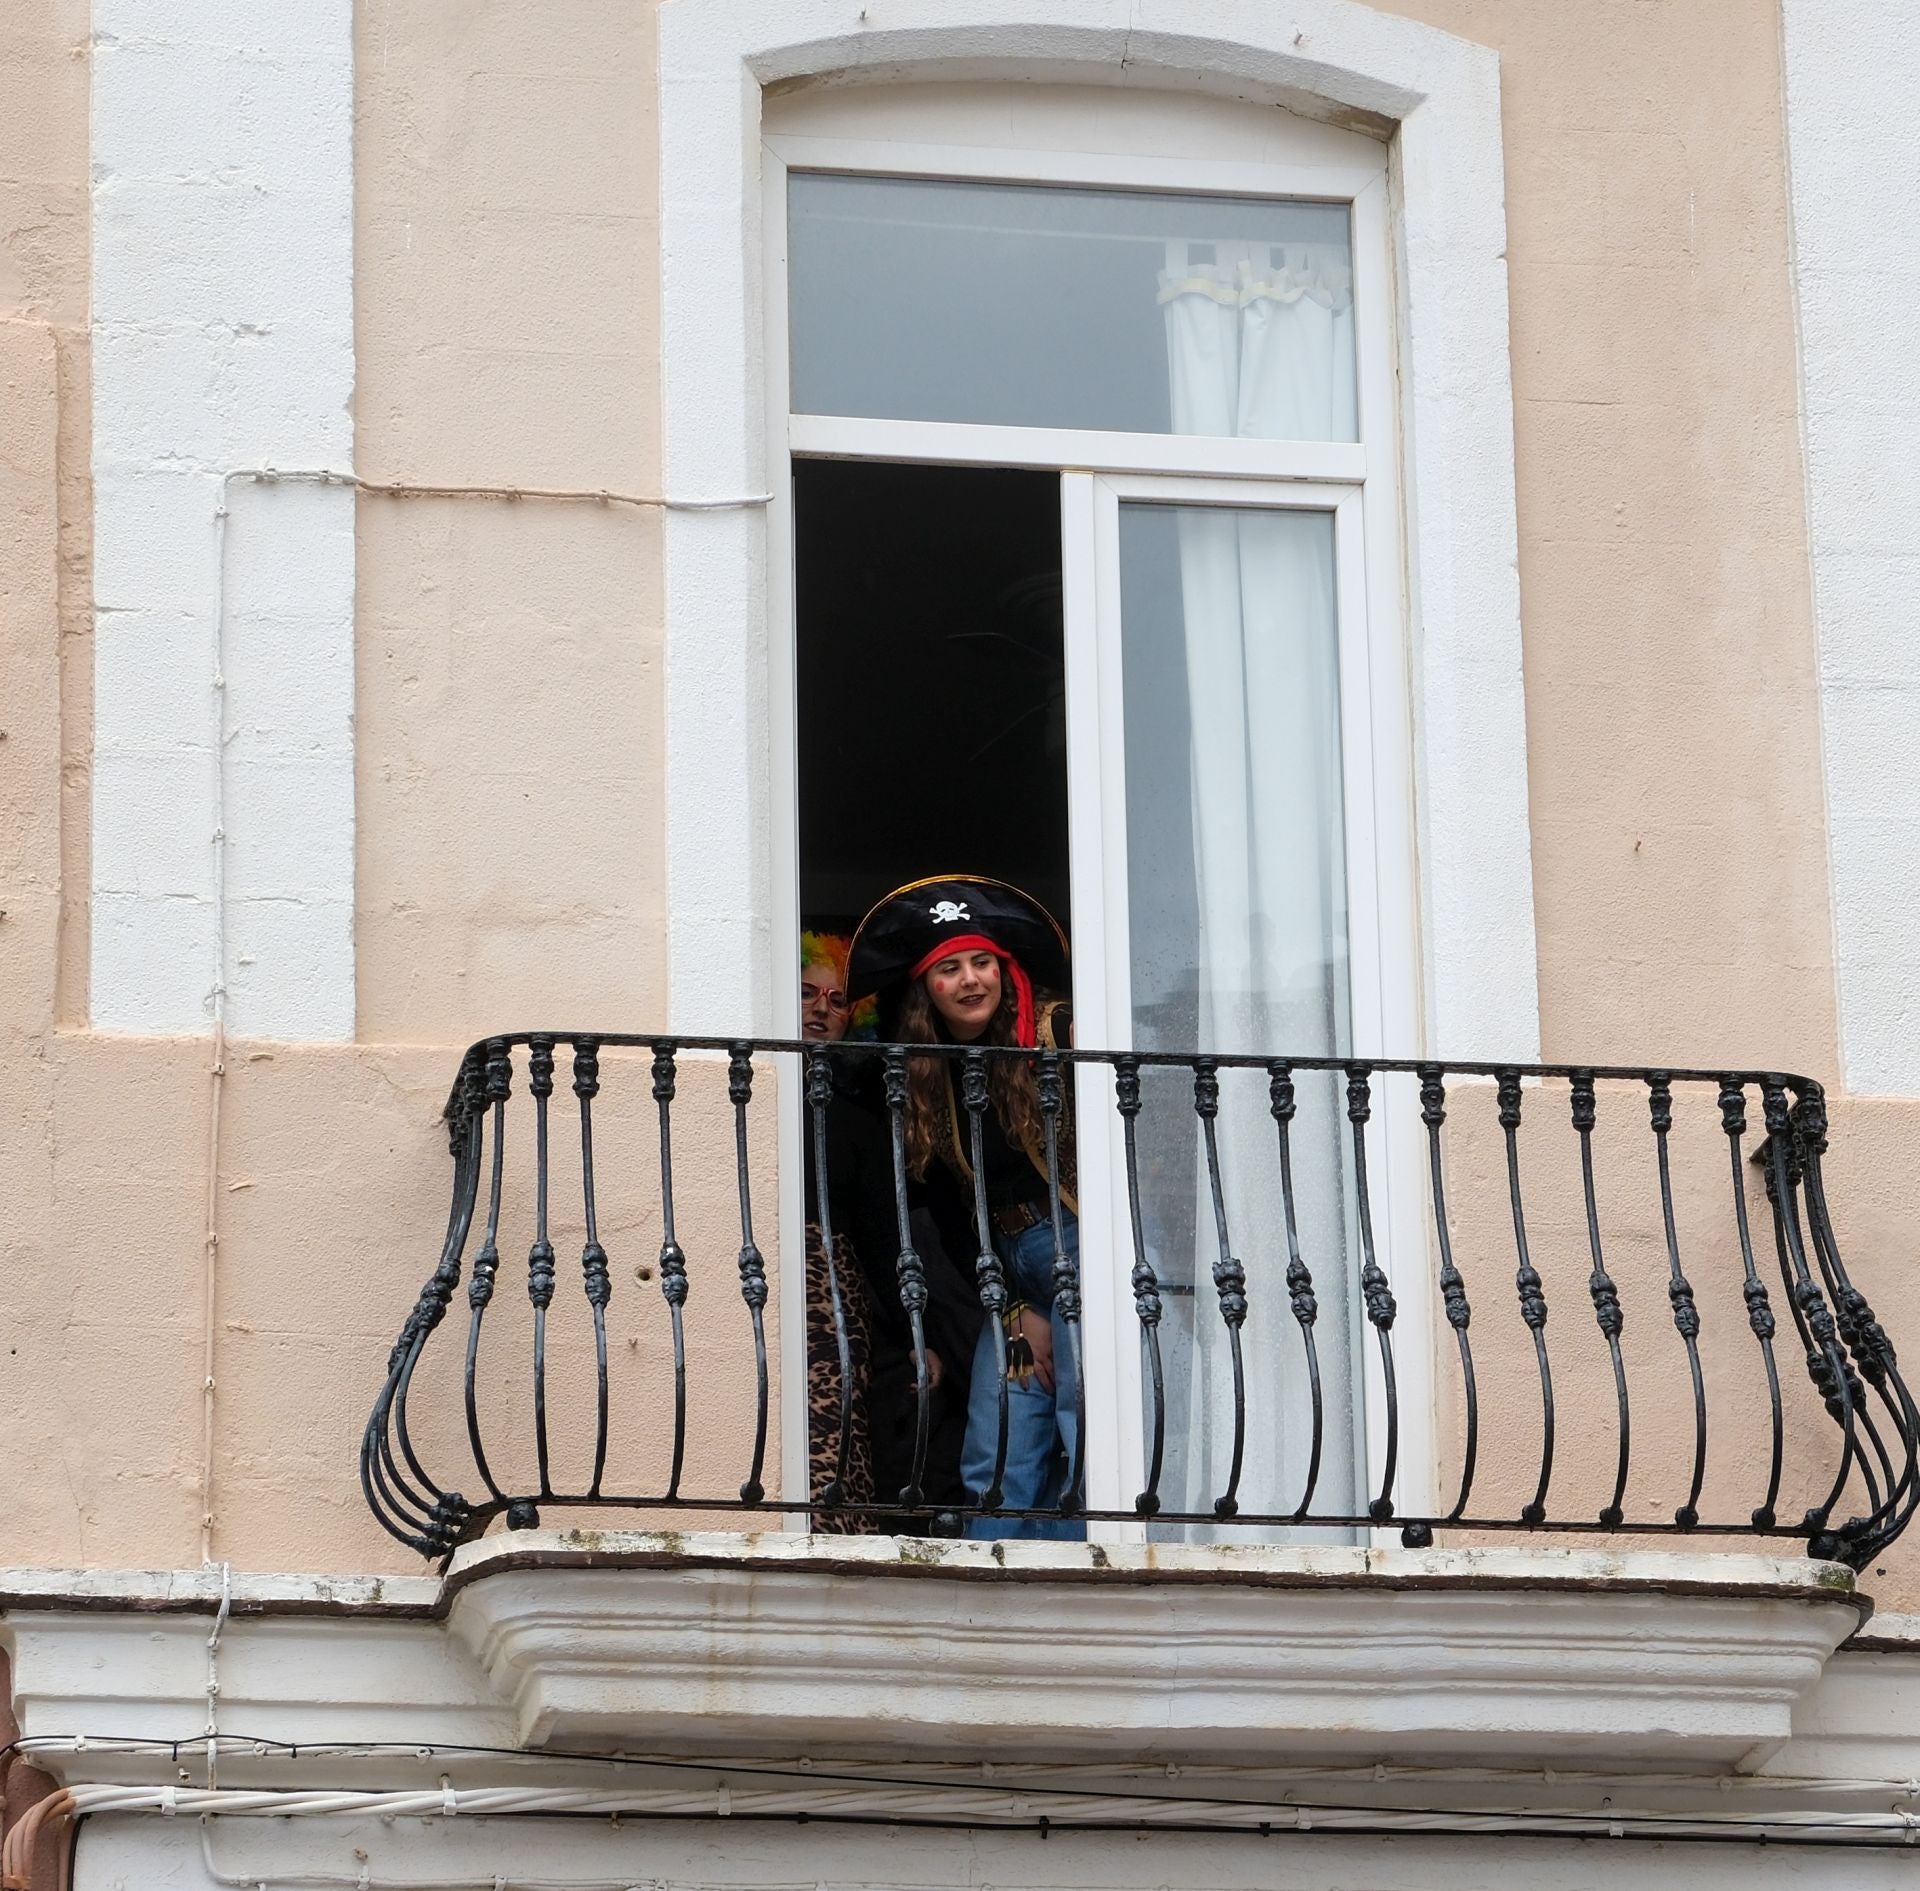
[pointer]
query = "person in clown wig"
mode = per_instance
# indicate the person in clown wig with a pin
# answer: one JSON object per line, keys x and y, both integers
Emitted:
{"x": 963, "y": 959}
{"x": 837, "y": 1298}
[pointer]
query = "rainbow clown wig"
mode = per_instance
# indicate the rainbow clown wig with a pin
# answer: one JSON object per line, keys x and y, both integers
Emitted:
{"x": 830, "y": 950}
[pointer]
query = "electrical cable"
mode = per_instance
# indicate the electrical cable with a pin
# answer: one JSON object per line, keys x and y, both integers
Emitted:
{"x": 892, "y": 1807}
{"x": 804, "y": 1793}
{"x": 222, "y": 731}
{"x": 1018, "y": 1775}
{"x": 420, "y": 489}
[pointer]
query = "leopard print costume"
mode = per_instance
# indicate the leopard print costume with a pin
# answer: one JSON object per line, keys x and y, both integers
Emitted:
{"x": 823, "y": 1386}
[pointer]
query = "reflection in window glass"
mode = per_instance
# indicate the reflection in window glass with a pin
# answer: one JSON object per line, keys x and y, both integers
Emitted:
{"x": 1238, "y": 943}
{"x": 1021, "y": 305}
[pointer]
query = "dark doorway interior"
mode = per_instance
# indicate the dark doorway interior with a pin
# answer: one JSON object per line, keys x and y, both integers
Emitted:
{"x": 932, "y": 721}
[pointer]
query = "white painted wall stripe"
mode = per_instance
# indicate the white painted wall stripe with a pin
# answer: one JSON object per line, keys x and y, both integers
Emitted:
{"x": 1856, "y": 221}
{"x": 222, "y": 339}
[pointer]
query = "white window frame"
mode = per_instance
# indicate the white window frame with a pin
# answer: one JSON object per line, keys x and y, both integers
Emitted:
{"x": 1382, "y": 947}
{"x": 1056, "y": 449}
{"x": 1098, "y": 472}
{"x": 1436, "y": 99}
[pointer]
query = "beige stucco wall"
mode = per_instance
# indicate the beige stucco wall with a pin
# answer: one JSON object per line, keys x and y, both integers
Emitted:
{"x": 509, "y": 804}
{"x": 43, "y": 291}
{"x": 1679, "y": 838}
{"x": 510, "y": 788}
{"x": 1680, "y": 882}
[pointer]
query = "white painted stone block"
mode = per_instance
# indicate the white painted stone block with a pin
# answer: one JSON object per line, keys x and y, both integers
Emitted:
{"x": 153, "y": 688}
{"x": 292, "y": 692}
{"x": 283, "y": 968}
{"x": 1856, "y": 217}
{"x": 222, "y": 397}
{"x": 1880, "y": 848}
{"x": 154, "y": 546}
{"x": 275, "y": 851}
{"x": 200, "y": 253}
{"x": 161, "y": 844}
{"x": 1870, "y": 597}
{"x": 278, "y": 127}
{"x": 271, "y": 27}
{"x": 289, "y": 553}
{"x": 223, "y": 341}
{"x": 153, "y": 962}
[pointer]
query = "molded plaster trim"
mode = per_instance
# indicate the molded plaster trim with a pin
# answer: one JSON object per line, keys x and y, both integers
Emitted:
{"x": 734, "y": 1659}
{"x": 1856, "y": 234}
{"x": 223, "y": 819}
{"x": 1331, "y": 58}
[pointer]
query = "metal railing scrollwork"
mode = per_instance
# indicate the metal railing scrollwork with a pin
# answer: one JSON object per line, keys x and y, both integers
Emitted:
{"x": 1761, "y": 1398}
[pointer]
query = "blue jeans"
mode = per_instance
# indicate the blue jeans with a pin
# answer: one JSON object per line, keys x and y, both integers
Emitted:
{"x": 1041, "y": 1426}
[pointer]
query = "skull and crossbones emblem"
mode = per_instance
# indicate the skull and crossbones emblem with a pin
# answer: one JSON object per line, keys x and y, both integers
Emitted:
{"x": 945, "y": 912}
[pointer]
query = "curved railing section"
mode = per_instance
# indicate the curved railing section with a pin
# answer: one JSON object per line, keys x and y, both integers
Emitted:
{"x": 1744, "y": 1348}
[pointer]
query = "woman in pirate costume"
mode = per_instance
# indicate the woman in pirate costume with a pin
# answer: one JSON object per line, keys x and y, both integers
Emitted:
{"x": 968, "y": 960}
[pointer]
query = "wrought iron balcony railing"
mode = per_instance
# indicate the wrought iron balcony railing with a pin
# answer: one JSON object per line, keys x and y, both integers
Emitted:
{"x": 1654, "y": 1335}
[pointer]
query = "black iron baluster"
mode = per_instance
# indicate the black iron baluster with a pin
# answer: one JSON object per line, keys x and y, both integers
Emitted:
{"x": 1733, "y": 1119}
{"x": 486, "y": 1265}
{"x": 1453, "y": 1286}
{"x": 540, "y": 1268}
{"x": 1229, "y": 1277}
{"x": 986, "y": 1267}
{"x": 912, "y": 1276}
{"x": 1281, "y": 1105}
{"x": 1859, "y": 1332}
{"x": 1374, "y": 1289}
{"x": 819, "y": 1101}
{"x": 753, "y": 1268}
{"x": 673, "y": 1260}
{"x": 1533, "y": 1300}
{"x": 432, "y": 1520}
{"x": 1686, "y": 1317}
{"x": 1066, "y": 1284}
{"x": 596, "y": 1279}
{"x": 1146, "y": 1284}
{"x": 1825, "y": 1366}
{"x": 1852, "y": 1342}
{"x": 1866, "y": 1339}
{"x": 1850, "y": 1360}
{"x": 428, "y": 1311}
{"x": 1608, "y": 1314}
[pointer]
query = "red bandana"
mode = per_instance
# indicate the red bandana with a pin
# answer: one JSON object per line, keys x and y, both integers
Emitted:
{"x": 1023, "y": 1031}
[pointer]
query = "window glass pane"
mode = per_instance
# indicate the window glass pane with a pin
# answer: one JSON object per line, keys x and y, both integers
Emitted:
{"x": 1238, "y": 943}
{"x": 1028, "y": 306}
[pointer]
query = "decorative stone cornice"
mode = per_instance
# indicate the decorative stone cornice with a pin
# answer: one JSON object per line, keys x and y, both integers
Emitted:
{"x": 744, "y": 1645}
{"x": 877, "y": 1649}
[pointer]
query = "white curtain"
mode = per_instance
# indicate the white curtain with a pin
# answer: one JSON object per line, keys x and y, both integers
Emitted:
{"x": 1260, "y": 346}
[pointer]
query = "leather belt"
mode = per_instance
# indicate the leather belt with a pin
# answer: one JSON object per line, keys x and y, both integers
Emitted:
{"x": 1018, "y": 1217}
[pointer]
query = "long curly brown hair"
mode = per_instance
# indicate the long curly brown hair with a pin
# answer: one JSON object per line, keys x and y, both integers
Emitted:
{"x": 932, "y": 1092}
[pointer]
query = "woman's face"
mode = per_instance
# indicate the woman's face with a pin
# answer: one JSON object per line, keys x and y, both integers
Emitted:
{"x": 824, "y": 1010}
{"x": 965, "y": 990}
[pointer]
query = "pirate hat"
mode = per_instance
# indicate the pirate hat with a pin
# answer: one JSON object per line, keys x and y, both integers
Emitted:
{"x": 894, "y": 940}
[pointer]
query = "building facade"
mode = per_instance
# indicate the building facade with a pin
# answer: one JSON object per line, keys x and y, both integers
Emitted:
{"x": 517, "y": 511}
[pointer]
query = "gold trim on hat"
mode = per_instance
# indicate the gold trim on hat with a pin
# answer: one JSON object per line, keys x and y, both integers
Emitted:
{"x": 950, "y": 879}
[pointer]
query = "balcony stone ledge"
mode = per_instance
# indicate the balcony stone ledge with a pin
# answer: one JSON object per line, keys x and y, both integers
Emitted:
{"x": 741, "y": 1644}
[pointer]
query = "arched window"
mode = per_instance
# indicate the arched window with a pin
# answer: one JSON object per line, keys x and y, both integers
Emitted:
{"x": 1128, "y": 372}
